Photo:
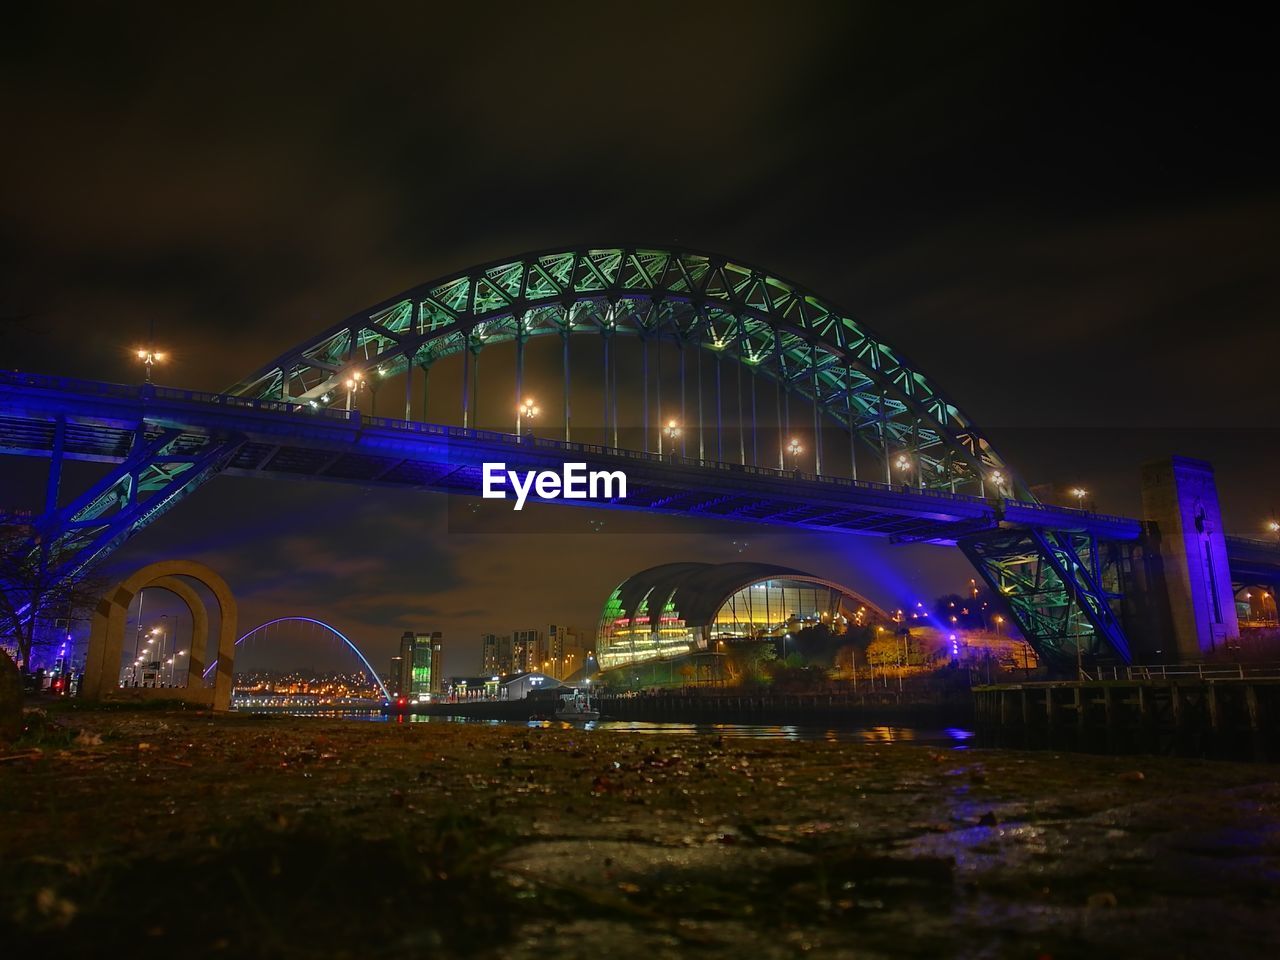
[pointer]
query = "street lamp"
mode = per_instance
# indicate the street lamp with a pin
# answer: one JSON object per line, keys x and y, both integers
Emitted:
{"x": 147, "y": 656}
{"x": 997, "y": 478}
{"x": 795, "y": 450}
{"x": 353, "y": 383}
{"x": 526, "y": 411}
{"x": 1274, "y": 527}
{"x": 672, "y": 431}
{"x": 1079, "y": 493}
{"x": 148, "y": 358}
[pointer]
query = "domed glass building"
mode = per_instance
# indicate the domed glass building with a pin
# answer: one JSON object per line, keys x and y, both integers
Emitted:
{"x": 687, "y": 608}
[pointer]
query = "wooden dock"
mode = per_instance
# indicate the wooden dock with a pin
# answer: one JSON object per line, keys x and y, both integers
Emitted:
{"x": 1227, "y": 714}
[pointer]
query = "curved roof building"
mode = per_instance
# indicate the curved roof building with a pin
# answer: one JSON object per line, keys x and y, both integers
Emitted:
{"x": 681, "y": 608}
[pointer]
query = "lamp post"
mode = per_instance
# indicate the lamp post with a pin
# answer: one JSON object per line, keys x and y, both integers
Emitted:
{"x": 164, "y": 634}
{"x": 794, "y": 448}
{"x": 148, "y": 657}
{"x": 1274, "y": 527}
{"x": 903, "y": 465}
{"x": 137, "y": 638}
{"x": 672, "y": 431}
{"x": 526, "y": 411}
{"x": 353, "y": 383}
{"x": 148, "y": 358}
{"x": 1079, "y": 493}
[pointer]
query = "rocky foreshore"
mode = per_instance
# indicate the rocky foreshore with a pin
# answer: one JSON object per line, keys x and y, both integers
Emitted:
{"x": 184, "y": 833}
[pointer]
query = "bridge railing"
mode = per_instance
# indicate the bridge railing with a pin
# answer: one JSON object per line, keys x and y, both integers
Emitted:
{"x": 249, "y": 403}
{"x": 149, "y": 391}
{"x": 1199, "y": 671}
{"x": 121, "y": 391}
{"x": 1254, "y": 543}
{"x": 94, "y": 388}
{"x": 1076, "y": 511}
{"x": 574, "y": 446}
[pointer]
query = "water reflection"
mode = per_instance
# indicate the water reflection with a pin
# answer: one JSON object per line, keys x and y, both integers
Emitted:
{"x": 954, "y": 737}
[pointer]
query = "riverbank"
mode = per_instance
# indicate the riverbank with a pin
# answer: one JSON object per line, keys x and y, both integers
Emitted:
{"x": 153, "y": 832}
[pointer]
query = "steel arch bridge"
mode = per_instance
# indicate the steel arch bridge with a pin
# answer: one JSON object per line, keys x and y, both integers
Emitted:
{"x": 320, "y": 623}
{"x": 915, "y": 467}
{"x": 772, "y": 327}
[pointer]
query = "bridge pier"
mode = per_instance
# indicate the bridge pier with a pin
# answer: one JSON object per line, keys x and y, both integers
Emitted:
{"x": 1187, "y": 559}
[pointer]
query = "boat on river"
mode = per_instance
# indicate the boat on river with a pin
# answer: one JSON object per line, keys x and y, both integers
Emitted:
{"x": 576, "y": 706}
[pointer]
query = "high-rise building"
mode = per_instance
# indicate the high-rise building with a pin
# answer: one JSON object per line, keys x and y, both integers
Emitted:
{"x": 496, "y": 655}
{"x": 395, "y": 679}
{"x": 529, "y": 651}
{"x": 420, "y": 654}
{"x": 566, "y": 650}
{"x": 555, "y": 643}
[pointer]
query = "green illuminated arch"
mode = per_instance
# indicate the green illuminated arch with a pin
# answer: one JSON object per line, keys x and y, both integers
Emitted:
{"x": 771, "y": 325}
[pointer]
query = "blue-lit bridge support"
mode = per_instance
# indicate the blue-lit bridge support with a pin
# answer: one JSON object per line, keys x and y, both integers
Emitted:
{"x": 1065, "y": 589}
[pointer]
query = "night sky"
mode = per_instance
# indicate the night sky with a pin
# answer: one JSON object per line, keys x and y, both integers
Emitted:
{"x": 1067, "y": 217}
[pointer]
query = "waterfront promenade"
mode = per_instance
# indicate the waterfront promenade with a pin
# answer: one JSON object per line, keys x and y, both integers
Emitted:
{"x": 144, "y": 832}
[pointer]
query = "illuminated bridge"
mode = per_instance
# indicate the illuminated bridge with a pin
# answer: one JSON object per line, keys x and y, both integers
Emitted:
{"x": 759, "y": 360}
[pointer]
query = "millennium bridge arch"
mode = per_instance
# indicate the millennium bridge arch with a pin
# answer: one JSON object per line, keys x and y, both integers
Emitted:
{"x": 897, "y": 425}
{"x": 319, "y": 623}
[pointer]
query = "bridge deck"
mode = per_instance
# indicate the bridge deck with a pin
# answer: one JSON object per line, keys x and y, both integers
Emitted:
{"x": 281, "y": 439}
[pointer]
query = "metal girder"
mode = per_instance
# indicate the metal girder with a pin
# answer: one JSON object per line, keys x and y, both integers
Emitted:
{"x": 717, "y": 304}
{"x": 164, "y": 467}
{"x": 1060, "y": 588}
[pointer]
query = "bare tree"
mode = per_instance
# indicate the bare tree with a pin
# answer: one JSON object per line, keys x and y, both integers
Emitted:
{"x": 33, "y": 595}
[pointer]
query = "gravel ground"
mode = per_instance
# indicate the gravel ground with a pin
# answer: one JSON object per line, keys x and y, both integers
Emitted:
{"x": 178, "y": 833}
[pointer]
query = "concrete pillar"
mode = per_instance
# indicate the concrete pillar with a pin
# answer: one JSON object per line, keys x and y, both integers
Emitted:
{"x": 1184, "y": 530}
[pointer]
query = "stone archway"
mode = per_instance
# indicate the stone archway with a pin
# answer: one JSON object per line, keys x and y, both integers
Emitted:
{"x": 106, "y": 640}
